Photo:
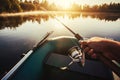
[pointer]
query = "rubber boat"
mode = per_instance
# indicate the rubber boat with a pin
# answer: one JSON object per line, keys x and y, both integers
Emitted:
{"x": 49, "y": 59}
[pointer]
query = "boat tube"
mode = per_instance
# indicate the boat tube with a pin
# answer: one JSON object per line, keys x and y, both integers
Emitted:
{"x": 45, "y": 62}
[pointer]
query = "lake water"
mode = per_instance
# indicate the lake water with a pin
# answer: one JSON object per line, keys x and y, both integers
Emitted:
{"x": 20, "y": 32}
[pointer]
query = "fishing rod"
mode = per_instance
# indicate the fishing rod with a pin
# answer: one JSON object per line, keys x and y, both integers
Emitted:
{"x": 26, "y": 56}
{"x": 75, "y": 34}
{"x": 80, "y": 58}
{"x": 113, "y": 65}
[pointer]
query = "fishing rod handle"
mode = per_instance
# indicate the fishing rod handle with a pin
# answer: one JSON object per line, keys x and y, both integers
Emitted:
{"x": 115, "y": 68}
{"x": 78, "y": 37}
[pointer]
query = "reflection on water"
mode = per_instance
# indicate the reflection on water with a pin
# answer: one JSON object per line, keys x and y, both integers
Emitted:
{"x": 13, "y": 21}
{"x": 19, "y": 34}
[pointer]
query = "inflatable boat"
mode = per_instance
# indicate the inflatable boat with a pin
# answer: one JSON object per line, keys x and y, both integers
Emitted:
{"x": 50, "y": 60}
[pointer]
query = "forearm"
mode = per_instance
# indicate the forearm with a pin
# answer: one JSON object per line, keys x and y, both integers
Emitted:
{"x": 114, "y": 49}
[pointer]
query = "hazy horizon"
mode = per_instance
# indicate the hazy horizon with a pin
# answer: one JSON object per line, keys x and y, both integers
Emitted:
{"x": 82, "y": 2}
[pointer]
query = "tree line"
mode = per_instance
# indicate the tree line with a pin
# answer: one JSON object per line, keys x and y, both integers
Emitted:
{"x": 15, "y": 21}
{"x": 20, "y": 6}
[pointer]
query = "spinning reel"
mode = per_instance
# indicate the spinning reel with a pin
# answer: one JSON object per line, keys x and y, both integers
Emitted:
{"x": 76, "y": 55}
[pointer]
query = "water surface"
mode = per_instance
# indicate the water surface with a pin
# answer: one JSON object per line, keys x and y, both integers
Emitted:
{"x": 19, "y": 33}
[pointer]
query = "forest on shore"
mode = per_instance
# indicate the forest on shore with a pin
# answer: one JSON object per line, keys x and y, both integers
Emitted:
{"x": 13, "y": 6}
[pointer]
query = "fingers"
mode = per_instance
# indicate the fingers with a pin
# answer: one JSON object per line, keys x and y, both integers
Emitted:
{"x": 87, "y": 49}
{"x": 94, "y": 56}
{"x": 90, "y": 52}
{"x": 84, "y": 44}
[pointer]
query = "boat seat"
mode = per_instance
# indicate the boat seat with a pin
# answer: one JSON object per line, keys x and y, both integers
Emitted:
{"x": 93, "y": 70}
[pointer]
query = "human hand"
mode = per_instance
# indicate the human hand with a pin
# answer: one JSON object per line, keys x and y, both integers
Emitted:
{"x": 109, "y": 48}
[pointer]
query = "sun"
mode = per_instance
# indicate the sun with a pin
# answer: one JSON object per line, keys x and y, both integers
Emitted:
{"x": 63, "y": 3}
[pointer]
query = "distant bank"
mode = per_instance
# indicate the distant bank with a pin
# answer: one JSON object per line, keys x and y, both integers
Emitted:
{"x": 13, "y": 6}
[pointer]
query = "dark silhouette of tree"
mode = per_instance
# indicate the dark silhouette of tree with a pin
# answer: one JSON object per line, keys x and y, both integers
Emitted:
{"x": 13, "y": 22}
{"x": 52, "y": 7}
{"x": 26, "y": 1}
{"x": 95, "y": 8}
{"x": 28, "y": 6}
{"x": 45, "y": 4}
{"x": 86, "y": 8}
{"x": 9, "y": 6}
{"x": 15, "y": 7}
{"x": 112, "y": 7}
{"x": 5, "y": 6}
{"x": 75, "y": 7}
{"x": 103, "y": 7}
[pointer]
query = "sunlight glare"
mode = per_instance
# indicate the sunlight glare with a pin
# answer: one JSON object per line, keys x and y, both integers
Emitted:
{"x": 67, "y": 3}
{"x": 58, "y": 26}
{"x": 63, "y": 3}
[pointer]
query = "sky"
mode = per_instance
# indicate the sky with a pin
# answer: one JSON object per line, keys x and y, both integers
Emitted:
{"x": 90, "y": 2}
{"x": 66, "y": 3}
